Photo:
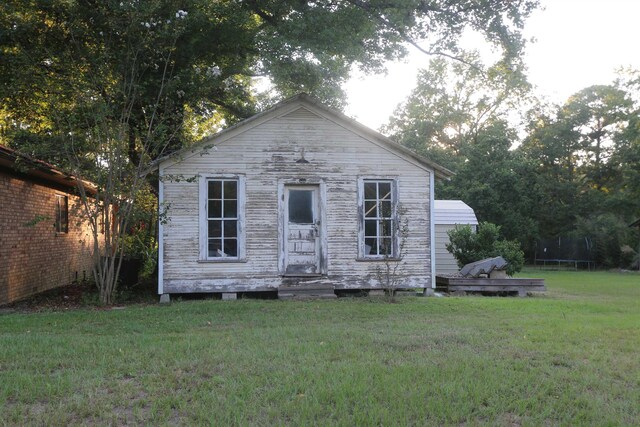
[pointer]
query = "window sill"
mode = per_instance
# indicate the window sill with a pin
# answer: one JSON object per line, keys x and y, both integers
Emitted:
{"x": 378, "y": 259}
{"x": 222, "y": 260}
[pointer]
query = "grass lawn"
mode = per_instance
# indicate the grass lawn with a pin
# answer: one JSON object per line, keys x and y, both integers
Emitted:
{"x": 569, "y": 357}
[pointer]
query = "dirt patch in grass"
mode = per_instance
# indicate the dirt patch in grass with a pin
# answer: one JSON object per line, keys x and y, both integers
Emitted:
{"x": 80, "y": 295}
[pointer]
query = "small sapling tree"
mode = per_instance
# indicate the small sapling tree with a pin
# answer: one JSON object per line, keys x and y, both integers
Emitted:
{"x": 389, "y": 275}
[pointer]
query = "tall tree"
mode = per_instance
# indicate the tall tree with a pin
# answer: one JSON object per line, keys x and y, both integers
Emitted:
{"x": 106, "y": 87}
{"x": 584, "y": 153}
{"x": 552, "y": 147}
{"x": 212, "y": 50}
{"x": 497, "y": 182}
{"x": 453, "y": 102}
{"x": 597, "y": 114}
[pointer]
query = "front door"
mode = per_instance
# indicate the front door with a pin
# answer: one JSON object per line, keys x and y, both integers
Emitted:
{"x": 302, "y": 230}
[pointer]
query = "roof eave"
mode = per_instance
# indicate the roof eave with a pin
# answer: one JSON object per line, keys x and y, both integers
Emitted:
{"x": 43, "y": 170}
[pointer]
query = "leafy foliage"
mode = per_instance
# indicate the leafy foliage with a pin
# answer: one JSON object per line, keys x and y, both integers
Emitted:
{"x": 454, "y": 103}
{"x": 572, "y": 167}
{"x": 104, "y": 88}
{"x": 468, "y": 246}
{"x": 165, "y": 60}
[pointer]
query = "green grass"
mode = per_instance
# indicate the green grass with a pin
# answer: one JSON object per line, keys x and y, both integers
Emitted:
{"x": 569, "y": 357}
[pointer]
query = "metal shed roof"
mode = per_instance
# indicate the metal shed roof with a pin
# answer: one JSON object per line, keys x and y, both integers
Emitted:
{"x": 453, "y": 212}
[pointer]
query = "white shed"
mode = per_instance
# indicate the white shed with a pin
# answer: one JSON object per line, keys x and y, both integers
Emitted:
{"x": 299, "y": 195}
{"x": 446, "y": 215}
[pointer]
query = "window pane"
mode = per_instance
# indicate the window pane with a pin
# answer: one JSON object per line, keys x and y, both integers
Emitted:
{"x": 230, "y": 208}
{"x": 215, "y": 228}
{"x": 371, "y": 246}
{"x": 301, "y": 206}
{"x": 215, "y": 209}
{"x": 231, "y": 247}
{"x": 385, "y": 228}
{"x": 385, "y": 190}
{"x": 385, "y": 246}
{"x": 222, "y": 218}
{"x": 64, "y": 218}
{"x": 370, "y": 190}
{"x": 379, "y": 232}
{"x": 385, "y": 209}
{"x": 230, "y": 229}
{"x": 215, "y": 189}
{"x": 61, "y": 214}
{"x": 230, "y": 190}
{"x": 370, "y": 210}
{"x": 215, "y": 248}
{"x": 371, "y": 227}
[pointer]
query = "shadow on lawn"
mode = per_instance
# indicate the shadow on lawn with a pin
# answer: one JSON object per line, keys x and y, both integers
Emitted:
{"x": 83, "y": 295}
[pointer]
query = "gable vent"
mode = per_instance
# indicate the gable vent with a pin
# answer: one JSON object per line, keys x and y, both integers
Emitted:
{"x": 300, "y": 114}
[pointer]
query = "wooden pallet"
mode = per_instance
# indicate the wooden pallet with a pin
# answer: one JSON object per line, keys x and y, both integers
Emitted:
{"x": 461, "y": 285}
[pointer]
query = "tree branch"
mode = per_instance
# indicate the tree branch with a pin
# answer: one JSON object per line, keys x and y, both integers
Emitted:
{"x": 408, "y": 39}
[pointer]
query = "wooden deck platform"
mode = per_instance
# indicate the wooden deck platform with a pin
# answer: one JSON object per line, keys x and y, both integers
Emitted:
{"x": 463, "y": 284}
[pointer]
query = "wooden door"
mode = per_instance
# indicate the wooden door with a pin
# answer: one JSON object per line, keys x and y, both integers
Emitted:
{"x": 302, "y": 230}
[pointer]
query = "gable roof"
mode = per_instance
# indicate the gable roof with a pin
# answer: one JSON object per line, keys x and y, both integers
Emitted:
{"x": 306, "y": 101}
{"x": 21, "y": 164}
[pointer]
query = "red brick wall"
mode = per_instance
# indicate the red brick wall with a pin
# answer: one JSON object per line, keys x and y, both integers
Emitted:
{"x": 33, "y": 257}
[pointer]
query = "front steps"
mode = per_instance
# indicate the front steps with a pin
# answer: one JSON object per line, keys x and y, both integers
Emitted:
{"x": 306, "y": 291}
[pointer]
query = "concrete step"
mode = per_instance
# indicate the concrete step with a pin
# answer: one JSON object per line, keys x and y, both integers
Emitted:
{"x": 306, "y": 296}
{"x": 306, "y": 288}
{"x": 307, "y": 291}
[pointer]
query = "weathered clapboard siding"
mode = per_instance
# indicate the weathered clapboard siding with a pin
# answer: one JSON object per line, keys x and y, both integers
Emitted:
{"x": 265, "y": 153}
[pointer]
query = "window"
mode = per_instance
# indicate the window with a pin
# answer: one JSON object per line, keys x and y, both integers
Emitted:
{"x": 378, "y": 219}
{"x": 62, "y": 214}
{"x": 301, "y": 206}
{"x": 221, "y": 231}
{"x": 101, "y": 219}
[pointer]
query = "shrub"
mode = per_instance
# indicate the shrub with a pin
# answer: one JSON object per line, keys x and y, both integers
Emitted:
{"x": 467, "y": 246}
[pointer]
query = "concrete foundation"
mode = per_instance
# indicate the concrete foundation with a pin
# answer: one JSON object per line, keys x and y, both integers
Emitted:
{"x": 229, "y": 296}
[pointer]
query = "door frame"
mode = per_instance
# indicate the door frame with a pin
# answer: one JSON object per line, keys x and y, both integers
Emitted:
{"x": 283, "y": 184}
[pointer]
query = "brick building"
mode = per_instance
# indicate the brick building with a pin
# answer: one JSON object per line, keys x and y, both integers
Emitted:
{"x": 43, "y": 242}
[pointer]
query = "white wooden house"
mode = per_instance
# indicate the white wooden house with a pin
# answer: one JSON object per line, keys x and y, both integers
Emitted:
{"x": 299, "y": 195}
{"x": 448, "y": 214}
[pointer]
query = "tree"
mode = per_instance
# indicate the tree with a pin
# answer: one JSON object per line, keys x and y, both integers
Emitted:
{"x": 597, "y": 114}
{"x": 497, "y": 182}
{"x": 457, "y": 115}
{"x": 453, "y": 103}
{"x": 216, "y": 49}
{"x": 103, "y": 88}
{"x": 551, "y": 147}
{"x": 581, "y": 151}
{"x": 585, "y": 153}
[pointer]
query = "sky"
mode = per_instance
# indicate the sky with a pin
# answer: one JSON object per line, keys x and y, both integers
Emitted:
{"x": 578, "y": 43}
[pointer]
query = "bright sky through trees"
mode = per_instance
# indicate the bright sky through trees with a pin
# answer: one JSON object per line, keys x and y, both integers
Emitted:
{"x": 579, "y": 43}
